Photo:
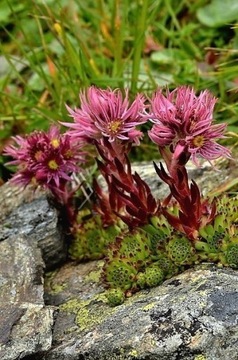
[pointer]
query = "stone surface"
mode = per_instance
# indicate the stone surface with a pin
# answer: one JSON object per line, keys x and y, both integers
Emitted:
{"x": 29, "y": 229}
{"x": 192, "y": 316}
{"x": 26, "y": 323}
{"x": 12, "y": 196}
{"x": 32, "y": 215}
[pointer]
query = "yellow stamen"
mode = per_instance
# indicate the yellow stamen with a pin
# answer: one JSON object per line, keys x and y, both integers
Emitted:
{"x": 55, "y": 143}
{"x": 53, "y": 165}
{"x": 198, "y": 141}
{"x": 68, "y": 154}
{"x": 114, "y": 126}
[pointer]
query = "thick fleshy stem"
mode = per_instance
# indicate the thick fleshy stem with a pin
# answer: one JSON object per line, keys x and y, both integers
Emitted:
{"x": 108, "y": 151}
{"x": 128, "y": 196}
{"x": 175, "y": 161}
{"x": 193, "y": 211}
{"x": 113, "y": 165}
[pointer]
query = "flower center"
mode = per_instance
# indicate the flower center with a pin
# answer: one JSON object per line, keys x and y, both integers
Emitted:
{"x": 68, "y": 154}
{"x": 114, "y": 126}
{"x": 199, "y": 141}
{"x": 53, "y": 165}
{"x": 55, "y": 143}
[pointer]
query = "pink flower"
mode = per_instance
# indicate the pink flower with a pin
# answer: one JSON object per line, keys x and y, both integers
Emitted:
{"x": 203, "y": 142}
{"x": 162, "y": 135}
{"x": 107, "y": 113}
{"x": 46, "y": 159}
{"x": 27, "y": 151}
{"x": 182, "y": 117}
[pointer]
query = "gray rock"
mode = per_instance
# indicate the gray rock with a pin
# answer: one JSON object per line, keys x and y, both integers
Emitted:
{"x": 26, "y": 323}
{"x": 31, "y": 214}
{"x": 193, "y": 316}
{"x": 28, "y": 229}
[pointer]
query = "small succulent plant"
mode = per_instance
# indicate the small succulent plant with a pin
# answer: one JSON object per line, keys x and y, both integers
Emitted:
{"x": 126, "y": 256}
{"x": 229, "y": 256}
{"x": 228, "y": 206}
{"x": 90, "y": 239}
{"x": 152, "y": 276}
{"x": 180, "y": 250}
{"x": 168, "y": 267}
{"x": 119, "y": 273}
{"x": 218, "y": 240}
{"x": 115, "y": 296}
{"x": 134, "y": 246}
{"x": 159, "y": 231}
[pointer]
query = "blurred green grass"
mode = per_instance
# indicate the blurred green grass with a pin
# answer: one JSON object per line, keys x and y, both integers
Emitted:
{"x": 50, "y": 50}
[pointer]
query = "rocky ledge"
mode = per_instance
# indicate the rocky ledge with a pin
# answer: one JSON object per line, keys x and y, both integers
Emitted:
{"x": 52, "y": 308}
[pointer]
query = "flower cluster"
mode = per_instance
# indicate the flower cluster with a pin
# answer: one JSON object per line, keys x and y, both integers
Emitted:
{"x": 183, "y": 120}
{"x": 182, "y": 128}
{"x": 45, "y": 158}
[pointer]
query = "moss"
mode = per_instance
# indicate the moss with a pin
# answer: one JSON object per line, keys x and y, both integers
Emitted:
{"x": 72, "y": 306}
{"x": 133, "y": 353}
{"x": 88, "y": 317}
{"x": 57, "y": 288}
{"x": 53, "y": 288}
{"x": 83, "y": 318}
{"x": 149, "y": 306}
{"x": 95, "y": 275}
{"x": 70, "y": 330}
{"x": 200, "y": 357}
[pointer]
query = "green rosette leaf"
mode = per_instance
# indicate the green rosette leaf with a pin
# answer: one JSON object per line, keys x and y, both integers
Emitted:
{"x": 115, "y": 297}
{"x": 180, "y": 250}
{"x": 118, "y": 273}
